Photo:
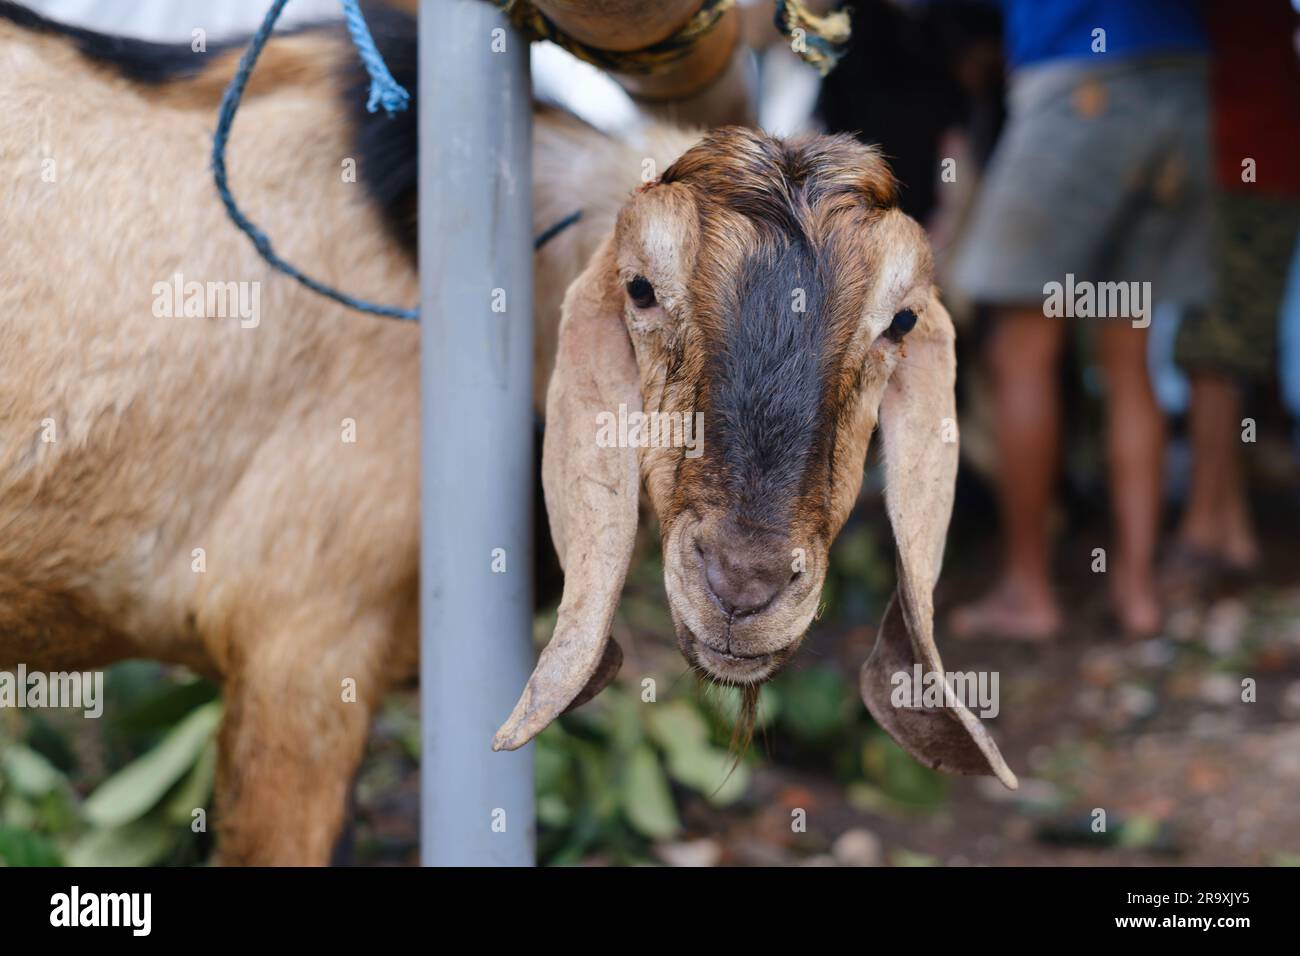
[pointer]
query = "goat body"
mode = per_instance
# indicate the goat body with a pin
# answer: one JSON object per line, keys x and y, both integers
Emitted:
{"x": 240, "y": 494}
{"x": 240, "y": 499}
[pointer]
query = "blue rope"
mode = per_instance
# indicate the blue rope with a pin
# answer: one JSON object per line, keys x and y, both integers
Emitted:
{"x": 384, "y": 91}
{"x": 553, "y": 230}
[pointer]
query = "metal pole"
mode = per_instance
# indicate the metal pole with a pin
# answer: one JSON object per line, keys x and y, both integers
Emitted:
{"x": 476, "y": 349}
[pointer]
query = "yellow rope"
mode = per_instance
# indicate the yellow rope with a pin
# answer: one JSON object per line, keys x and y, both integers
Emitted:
{"x": 820, "y": 41}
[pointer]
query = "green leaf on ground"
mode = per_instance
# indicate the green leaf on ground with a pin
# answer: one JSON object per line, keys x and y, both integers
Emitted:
{"x": 195, "y": 791}
{"x": 711, "y": 772}
{"x": 646, "y": 798}
{"x": 24, "y": 848}
{"x": 141, "y": 843}
{"x": 135, "y": 789}
{"x": 28, "y": 772}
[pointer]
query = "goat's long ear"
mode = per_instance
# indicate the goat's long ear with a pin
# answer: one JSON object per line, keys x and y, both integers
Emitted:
{"x": 918, "y": 418}
{"x": 591, "y": 499}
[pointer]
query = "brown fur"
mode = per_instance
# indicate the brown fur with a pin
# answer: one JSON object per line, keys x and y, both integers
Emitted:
{"x": 174, "y": 434}
{"x": 306, "y": 61}
{"x": 735, "y": 195}
{"x": 732, "y": 230}
{"x": 750, "y": 194}
{"x": 183, "y": 433}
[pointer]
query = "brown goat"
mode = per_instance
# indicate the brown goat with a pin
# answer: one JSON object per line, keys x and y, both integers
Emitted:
{"x": 183, "y": 488}
{"x": 774, "y": 290}
{"x": 178, "y": 488}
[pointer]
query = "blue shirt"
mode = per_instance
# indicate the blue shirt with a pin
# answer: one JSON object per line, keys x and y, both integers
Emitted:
{"x": 1040, "y": 30}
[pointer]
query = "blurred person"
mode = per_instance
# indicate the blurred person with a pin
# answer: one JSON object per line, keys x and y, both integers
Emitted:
{"x": 1289, "y": 344}
{"x": 1101, "y": 174}
{"x": 1255, "y": 95}
{"x": 913, "y": 73}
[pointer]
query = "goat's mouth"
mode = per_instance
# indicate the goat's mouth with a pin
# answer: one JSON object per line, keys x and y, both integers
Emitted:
{"x": 740, "y": 648}
{"x": 731, "y": 668}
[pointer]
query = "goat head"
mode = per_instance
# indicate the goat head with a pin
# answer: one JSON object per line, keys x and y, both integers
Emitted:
{"x": 772, "y": 294}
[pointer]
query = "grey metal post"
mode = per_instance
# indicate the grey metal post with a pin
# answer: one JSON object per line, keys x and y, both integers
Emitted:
{"x": 477, "y": 427}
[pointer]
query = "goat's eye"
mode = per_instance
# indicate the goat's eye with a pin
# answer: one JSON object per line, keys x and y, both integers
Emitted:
{"x": 903, "y": 323}
{"x": 641, "y": 292}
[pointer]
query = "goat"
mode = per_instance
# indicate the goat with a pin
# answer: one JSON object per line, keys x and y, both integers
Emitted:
{"x": 178, "y": 488}
{"x": 774, "y": 289}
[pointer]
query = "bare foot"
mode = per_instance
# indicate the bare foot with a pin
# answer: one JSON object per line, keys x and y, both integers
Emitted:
{"x": 1137, "y": 606}
{"x": 1008, "y": 612}
{"x": 1228, "y": 540}
{"x": 1191, "y": 569}
{"x": 1188, "y": 572}
{"x": 1239, "y": 547}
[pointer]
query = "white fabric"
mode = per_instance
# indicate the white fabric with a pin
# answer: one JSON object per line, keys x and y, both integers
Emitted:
{"x": 175, "y": 20}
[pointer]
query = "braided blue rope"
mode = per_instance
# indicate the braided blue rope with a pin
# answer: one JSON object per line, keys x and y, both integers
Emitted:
{"x": 384, "y": 91}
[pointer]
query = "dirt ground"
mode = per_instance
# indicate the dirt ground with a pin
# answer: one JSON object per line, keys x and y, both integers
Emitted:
{"x": 1153, "y": 733}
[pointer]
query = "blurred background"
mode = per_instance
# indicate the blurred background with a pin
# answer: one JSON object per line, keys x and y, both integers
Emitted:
{"x": 1026, "y": 152}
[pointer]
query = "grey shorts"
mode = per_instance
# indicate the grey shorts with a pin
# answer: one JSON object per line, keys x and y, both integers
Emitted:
{"x": 1103, "y": 171}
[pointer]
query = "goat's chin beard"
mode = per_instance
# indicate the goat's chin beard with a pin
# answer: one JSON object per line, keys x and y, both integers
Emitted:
{"x": 749, "y": 684}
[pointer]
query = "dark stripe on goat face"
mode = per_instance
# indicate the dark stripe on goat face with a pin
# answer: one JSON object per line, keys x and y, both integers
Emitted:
{"x": 766, "y": 382}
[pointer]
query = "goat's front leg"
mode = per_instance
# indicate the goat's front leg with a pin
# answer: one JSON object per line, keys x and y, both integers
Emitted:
{"x": 297, "y": 714}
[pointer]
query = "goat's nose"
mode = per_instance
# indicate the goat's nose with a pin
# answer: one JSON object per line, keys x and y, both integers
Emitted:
{"x": 745, "y": 574}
